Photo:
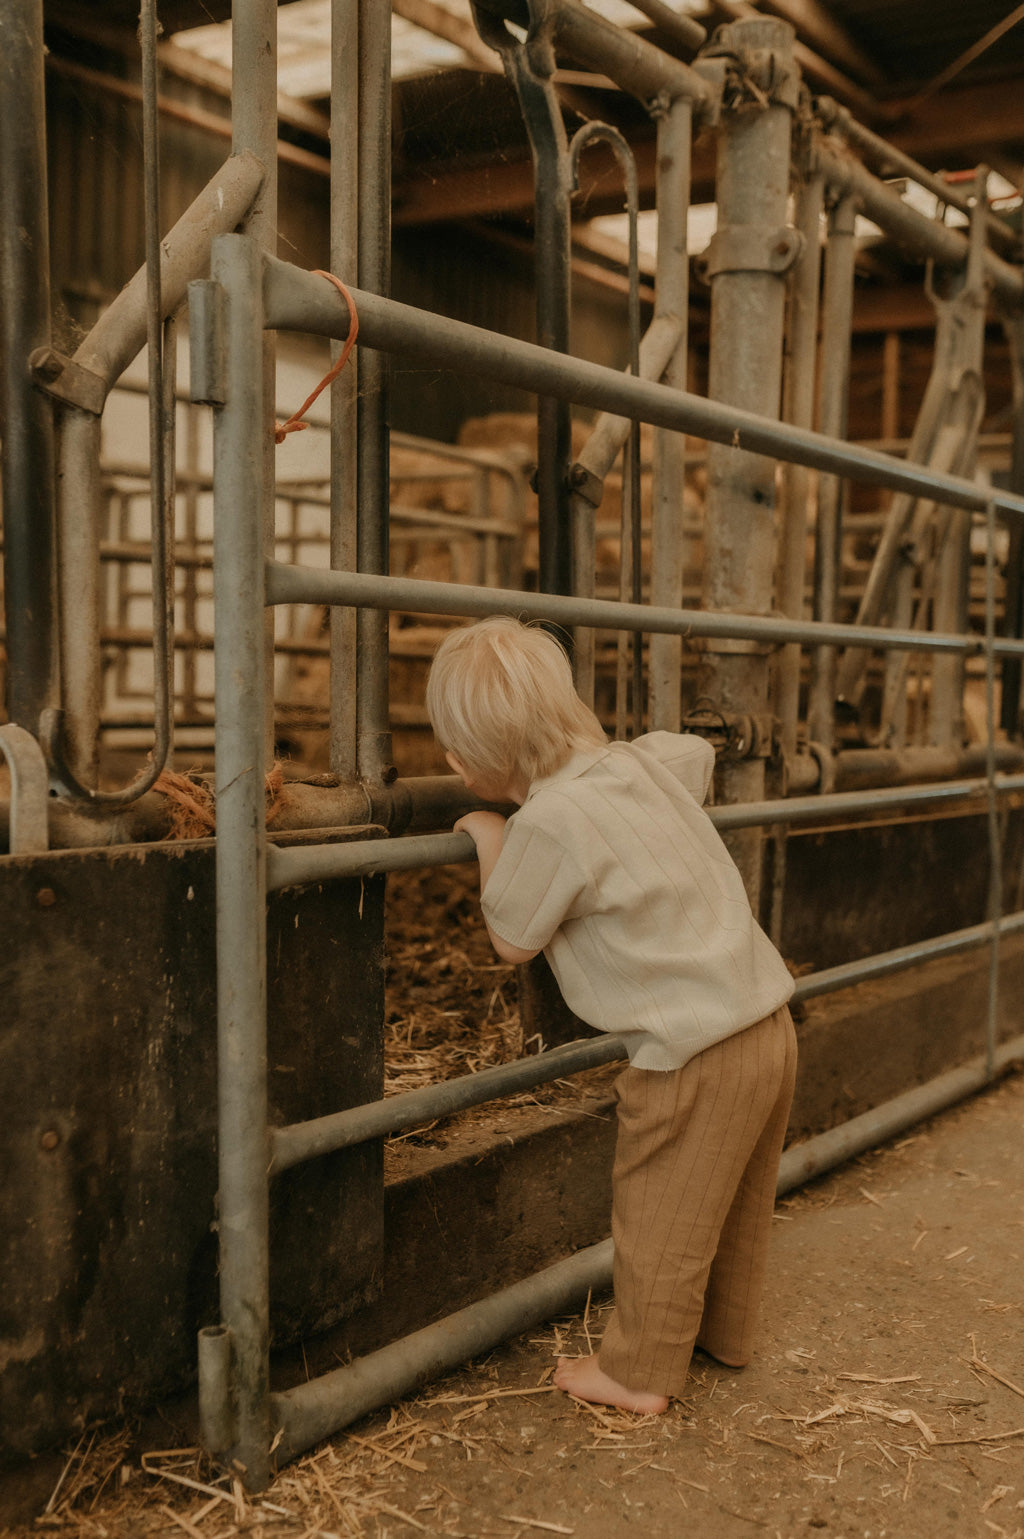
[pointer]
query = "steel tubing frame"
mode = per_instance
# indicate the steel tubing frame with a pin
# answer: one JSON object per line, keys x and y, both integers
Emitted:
{"x": 837, "y": 318}
{"x": 888, "y": 161}
{"x": 312, "y": 1411}
{"x": 373, "y": 734}
{"x": 344, "y": 515}
{"x": 596, "y": 459}
{"x": 293, "y": 585}
{"x": 672, "y": 303}
{"x": 748, "y": 296}
{"x": 247, "y": 582}
{"x": 238, "y": 1404}
{"x": 29, "y": 560}
{"x": 301, "y": 1141}
{"x": 82, "y": 389}
{"x": 296, "y": 300}
{"x": 915, "y": 231}
{"x": 298, "y": 865}
{"x": 798, "y": 408}
{"x": 240, "y": 685}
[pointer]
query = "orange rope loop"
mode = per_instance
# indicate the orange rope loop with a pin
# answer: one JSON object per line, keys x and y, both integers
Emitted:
{"x": 295, "y": 423}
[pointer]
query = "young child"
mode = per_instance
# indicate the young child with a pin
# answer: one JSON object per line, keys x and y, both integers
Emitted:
{"x": 611, "y": 868}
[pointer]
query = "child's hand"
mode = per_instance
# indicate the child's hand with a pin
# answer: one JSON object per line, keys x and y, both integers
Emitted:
{"x": 484, "y": 826}
{"x": 487, "y": 831}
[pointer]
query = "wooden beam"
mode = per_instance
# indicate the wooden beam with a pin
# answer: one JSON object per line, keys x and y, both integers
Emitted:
{"x": 452, "y": 29}
{"x": 442, "y": 193}
{"x": 959, "y": 122}
{"x": 816, "y": 26}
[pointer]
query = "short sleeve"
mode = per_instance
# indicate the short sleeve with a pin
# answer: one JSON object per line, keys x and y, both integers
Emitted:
{"x": 534, "y": 887}
{"x": 689, "y": 758}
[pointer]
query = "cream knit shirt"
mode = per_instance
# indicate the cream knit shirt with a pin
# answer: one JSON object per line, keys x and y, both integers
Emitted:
{"x": 614, "y": 871}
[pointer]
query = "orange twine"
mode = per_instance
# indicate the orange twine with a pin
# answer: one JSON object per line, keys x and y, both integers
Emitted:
{"x": 193, "y": 813}
{"x": 294, "y": 423}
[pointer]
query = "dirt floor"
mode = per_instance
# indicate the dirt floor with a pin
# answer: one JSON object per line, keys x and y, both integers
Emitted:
{"x": 886, "y": 1400}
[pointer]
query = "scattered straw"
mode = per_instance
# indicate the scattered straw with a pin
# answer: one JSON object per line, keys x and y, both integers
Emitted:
{"x": 979, "y": 1362}
{"x": 549, "y": 1528}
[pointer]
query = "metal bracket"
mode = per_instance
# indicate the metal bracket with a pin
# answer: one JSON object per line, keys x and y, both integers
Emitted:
{"x": 734, "y": 735}
{"x": 30, "y": 791}
{"x": 586, "y": 484}
{"x": 206, "y": 342}
{"x": 751, "y": 248}
{"x": 68, "y": 381}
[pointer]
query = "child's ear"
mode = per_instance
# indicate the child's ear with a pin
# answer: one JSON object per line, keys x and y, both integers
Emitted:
{"x": 454, "y": 764}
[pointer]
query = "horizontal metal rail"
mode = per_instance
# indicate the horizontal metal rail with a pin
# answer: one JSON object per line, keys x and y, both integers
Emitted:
{"x": 300, "y": 301}
{"x": 312, "y": 1411}
{"x": 885, "y": 963}
{"x": 314, "y": 585}
{"x": 841, "y": 804}
{"x": 380, "y": 1119}
{"x": 306, "y": 1140}
{"x": 299, "y": 865}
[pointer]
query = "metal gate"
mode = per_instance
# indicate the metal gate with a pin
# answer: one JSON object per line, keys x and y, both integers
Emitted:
{"x": 746, "y": 83}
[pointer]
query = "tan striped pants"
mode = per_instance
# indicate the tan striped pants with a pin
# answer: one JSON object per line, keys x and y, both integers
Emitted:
{"x": 693, "y": 1189}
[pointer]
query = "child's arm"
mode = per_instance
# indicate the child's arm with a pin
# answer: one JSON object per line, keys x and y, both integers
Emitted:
{"x": 487, "y": 829}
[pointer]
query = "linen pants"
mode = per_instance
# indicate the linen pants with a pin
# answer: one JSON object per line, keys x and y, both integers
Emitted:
{"x": 693, "y": 1190}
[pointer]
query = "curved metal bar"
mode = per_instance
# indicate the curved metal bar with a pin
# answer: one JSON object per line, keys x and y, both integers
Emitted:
{"x": 30, "y": 790}
{"x": 161, "y": 455}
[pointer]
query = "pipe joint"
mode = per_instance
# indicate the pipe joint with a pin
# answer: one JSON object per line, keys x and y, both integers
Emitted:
{"x": 68, "y": 381}
{"x": 733, "y": 735}
{"x": 760, "y": 68}
{"x": 751, "y": 248}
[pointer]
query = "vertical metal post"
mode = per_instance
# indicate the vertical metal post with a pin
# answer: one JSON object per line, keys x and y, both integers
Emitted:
{"x": 835, "y": 374}
{"x": 254, "y": 128}
{"x": 798, "y": 408}
{"x": 28, "y": 469}
{"x": 952, "y": 599}
{"x": 344, "y": 391}
{"x": 746, "y": 262}
{"x": 995, "y": 841}
{"x": 373, "y": 406}
{"x": 1013, "y": 617}
{"x": 530, "y": 67}
{"x": 79, "y": 512}
{"x": 672, "y": 297}
{"x": 239, "y": 491}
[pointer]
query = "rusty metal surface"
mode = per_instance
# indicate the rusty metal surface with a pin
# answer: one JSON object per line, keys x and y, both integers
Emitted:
{"x": 108, "y": 1033}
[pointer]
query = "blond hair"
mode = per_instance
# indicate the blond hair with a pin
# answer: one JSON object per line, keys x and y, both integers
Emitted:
{"x": 500, "y": 697}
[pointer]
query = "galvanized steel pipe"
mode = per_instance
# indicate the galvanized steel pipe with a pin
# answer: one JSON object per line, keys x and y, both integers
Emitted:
{"x": 914, "y": 230}
{"x": 837, "y": 316}
{"x": 373, "y": 733}
{"x": 668, "y": 495}
{"x": 241, "y": 859}
{"x": 29, "y": 562}
{"x": 300, "y": 301}
{"x": 312, "y": 1411}
{"x": 312, "y": 585}
{"x": 344, "y": 514}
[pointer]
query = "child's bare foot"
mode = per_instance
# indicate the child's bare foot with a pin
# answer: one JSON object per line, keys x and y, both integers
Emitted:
{"x": 584, "y": 1378}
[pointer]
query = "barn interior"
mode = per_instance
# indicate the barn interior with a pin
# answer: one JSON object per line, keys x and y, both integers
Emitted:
{"x": 693, "y": 330}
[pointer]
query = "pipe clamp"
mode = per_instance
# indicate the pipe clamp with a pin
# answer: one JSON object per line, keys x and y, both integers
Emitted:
{"x": 743, "y": 248}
